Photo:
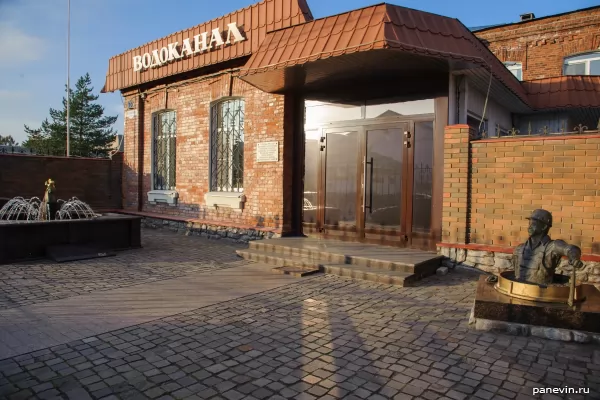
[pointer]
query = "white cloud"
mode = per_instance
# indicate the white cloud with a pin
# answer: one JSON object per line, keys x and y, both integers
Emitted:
{"x": 19, "y": 47}
{"x": 13, "y": 94}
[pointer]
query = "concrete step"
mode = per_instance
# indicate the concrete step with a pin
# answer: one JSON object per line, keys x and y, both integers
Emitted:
{"x": 288, "y": 265}
{"x": 397, "y": 278}
{"x": 404, "y": 260}
{"x": 303, "y": 266}
{"x": 280, "y": 260}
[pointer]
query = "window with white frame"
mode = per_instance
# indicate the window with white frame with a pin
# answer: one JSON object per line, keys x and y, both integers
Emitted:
{"x": 516, "y": 68}
{"x": 164, "y": 127}
{"x": 227, "y": 146}
{"x": 583, "y": 64}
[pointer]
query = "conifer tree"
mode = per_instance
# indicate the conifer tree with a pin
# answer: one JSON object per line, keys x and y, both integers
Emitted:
{"x": 91, "y": 132}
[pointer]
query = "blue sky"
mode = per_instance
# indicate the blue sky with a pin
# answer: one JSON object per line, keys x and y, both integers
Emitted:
{"x": 33, "y": 37}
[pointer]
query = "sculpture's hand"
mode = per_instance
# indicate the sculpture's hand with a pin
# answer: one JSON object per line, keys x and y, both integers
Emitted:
{"x": 574, "y": 255}
{"x": 574, "y": 260}
{"x": 575, "y": 263}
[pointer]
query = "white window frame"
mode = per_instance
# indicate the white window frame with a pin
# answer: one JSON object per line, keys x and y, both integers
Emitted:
{"x": 514, "y": 66}
{"x": 588, "y": 57}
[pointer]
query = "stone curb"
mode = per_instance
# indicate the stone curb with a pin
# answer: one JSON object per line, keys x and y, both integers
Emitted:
{"x": 544, "y": 332}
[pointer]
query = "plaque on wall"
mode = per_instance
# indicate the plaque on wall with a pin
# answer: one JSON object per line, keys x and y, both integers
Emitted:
{"x": 267, "y": 151}
{"x": 130, "y": 114}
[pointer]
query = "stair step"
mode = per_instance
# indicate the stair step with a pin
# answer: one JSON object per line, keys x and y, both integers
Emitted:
{"x": 397, "y": 278}
{"x": 281, "y": 260}
{"x": 416, "y": 262}
{"x": 303, "y": 266}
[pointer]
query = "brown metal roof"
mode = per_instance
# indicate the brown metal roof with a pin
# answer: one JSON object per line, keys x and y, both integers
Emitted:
{"x": 564, "y": 92}
{"x": 256, "y": 20}
{"x": 382, "y": 26}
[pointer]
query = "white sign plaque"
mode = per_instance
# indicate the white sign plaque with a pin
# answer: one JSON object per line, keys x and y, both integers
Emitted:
{"x": 267, "y": 151}
{"x": 130, "y": 114}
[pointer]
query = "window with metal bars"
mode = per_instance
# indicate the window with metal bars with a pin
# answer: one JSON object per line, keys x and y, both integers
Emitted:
{"x": 227, "y": 146}
{"x": 164, "y": 130}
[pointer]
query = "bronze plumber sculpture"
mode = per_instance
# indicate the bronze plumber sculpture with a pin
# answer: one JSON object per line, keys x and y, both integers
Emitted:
{"x": 535, "y": 263}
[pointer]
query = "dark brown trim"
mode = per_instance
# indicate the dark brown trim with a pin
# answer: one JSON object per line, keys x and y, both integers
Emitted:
{"x": 294, "y": 105}
{"x": 140, "y": 166}
{"x": 439, "y": 125}
{"x": 408, "y": 181}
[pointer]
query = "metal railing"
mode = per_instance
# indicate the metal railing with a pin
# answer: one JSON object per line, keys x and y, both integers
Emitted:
{"x": 543, "y": 131}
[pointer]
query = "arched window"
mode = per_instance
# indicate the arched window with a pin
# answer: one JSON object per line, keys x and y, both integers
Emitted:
{"x": 516, "y": 68}
{"x": 227, "y": 146}
{"x": 583, "y": 64}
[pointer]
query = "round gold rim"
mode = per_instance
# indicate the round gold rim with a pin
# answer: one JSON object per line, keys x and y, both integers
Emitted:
{"x": 532, "y": 292}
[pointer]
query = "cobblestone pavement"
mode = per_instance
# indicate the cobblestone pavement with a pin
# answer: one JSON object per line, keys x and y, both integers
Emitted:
{"x": 323, "y": 337}
{"x": 165, "y": 256}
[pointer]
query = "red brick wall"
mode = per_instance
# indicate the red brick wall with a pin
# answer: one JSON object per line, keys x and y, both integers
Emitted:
{"x": 95, "y": 181}
{"x": 455, "y": 209}
{"x": 511, "y": 177}
{"x": 541, "y": 45}
{"x": 263, "y": 182}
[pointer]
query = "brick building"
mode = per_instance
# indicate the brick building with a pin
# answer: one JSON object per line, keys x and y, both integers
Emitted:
{"x": 373, "y": 125}
{"x": 548, "y": 47}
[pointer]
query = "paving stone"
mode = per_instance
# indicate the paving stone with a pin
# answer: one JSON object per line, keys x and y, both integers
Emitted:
{"x": 323, "y": 337}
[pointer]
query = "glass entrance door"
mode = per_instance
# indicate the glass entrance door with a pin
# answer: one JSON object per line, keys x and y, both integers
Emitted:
{"x": 341, "y": 169}
{"x": 370, "y": 182}
{"x": 385, "y": 183}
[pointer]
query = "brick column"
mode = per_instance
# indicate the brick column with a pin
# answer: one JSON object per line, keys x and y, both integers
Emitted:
{"x": 455, "y": 208}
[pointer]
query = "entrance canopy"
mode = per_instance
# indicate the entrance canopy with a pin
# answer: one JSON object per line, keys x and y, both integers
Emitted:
{"x": 383, "y": 42}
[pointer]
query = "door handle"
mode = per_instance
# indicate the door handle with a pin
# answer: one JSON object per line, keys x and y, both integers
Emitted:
{"x": 364, "y": 185}
{"x": 371, "y": 187}
{"x": 407, "y": 144}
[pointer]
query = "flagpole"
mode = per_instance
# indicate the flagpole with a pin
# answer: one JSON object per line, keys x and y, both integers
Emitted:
{"x": 68, "y": 75}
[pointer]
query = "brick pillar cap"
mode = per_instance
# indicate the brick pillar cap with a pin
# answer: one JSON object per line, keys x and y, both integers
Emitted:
{"x": 458, "y": 126}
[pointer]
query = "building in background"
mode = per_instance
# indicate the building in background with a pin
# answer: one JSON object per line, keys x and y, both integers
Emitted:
{"x": 547, "y": 47}
{"x": 547, "y": 54}
{"x": 350, "y": 126}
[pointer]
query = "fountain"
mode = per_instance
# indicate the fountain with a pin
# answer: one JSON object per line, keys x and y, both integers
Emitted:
{"x": 533, "y": 299}
{"x": 63, "y": 230}
{"x": 20, "y": 209}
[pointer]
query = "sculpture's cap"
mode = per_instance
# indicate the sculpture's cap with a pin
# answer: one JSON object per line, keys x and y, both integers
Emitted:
{"x": 542, "y": 216}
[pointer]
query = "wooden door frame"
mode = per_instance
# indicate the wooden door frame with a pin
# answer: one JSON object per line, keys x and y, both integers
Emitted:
{"x": 408, "y": 173}
{"x": 327, "y": 230}
{"x": 405, "y": 126}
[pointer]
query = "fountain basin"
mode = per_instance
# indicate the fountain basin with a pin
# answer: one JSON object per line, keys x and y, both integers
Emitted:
{"x": 26, "y": 240}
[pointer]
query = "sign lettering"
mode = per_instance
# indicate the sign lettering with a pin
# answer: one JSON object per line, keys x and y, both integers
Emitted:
{"x": 201, "y": 43}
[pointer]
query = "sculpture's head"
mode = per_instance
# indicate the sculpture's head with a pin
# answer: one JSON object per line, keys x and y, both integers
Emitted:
{"x": 49, "y": 186}
{"x": 540, "y": 222}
